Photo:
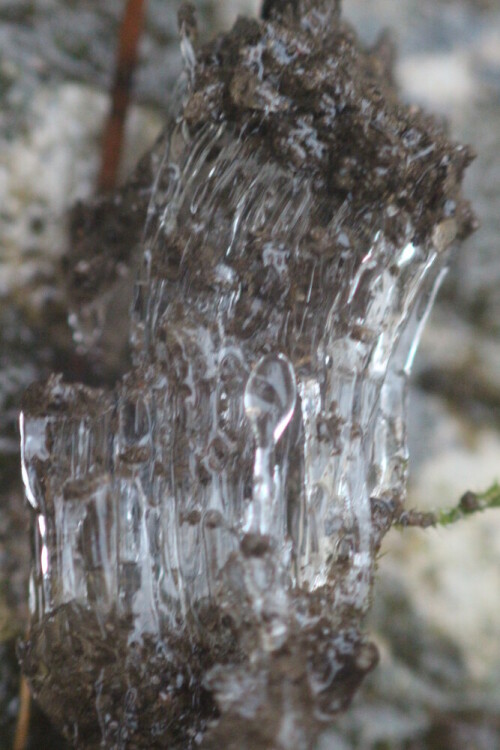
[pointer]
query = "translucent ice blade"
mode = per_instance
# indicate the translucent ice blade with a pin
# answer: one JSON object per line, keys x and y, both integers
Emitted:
{"x": 188, "y": 32}
{"x": 270, "y": 397}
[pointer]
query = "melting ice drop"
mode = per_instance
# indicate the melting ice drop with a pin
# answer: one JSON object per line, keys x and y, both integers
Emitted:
{"x": 270, "y": 396}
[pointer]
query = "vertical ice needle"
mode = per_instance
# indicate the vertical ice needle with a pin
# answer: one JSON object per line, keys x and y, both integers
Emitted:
{"x": 270, "y": 396}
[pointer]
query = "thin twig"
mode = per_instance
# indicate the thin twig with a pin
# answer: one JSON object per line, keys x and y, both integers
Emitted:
{"x": 470, "y": 503}
{"x": 126, "y": 60}
{"x": 23, "y": 717}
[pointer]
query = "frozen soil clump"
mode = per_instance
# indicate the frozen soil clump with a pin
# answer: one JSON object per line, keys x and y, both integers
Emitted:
{"x": 204, "y": 536}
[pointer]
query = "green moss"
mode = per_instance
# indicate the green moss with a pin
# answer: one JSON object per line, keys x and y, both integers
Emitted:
{"x": 469, "y": 504}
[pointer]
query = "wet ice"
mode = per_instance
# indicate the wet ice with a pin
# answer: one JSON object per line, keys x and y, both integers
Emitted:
{"x": 212, "y": 517}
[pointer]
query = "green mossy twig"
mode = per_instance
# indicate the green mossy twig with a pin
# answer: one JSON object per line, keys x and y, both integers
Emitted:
{"x": 470, "y": 503}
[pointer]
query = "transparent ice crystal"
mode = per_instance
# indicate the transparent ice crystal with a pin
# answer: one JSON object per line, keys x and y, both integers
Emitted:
{"x": 203, "y": 537}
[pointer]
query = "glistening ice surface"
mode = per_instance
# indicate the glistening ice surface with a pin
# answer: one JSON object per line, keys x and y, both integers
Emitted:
{"x": 204, "y": 536}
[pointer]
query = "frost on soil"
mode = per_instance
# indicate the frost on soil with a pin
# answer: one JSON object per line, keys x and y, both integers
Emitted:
{"x": 204, "y": 536}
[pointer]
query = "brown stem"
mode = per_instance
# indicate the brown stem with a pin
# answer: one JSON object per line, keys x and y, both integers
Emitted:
{"x": 126, "y": 60}
{"x": 409, "y": 518}
{"x": 23, "y": 717}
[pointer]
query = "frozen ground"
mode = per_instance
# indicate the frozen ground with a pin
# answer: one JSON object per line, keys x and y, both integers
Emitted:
{"x": 436, "y": 610}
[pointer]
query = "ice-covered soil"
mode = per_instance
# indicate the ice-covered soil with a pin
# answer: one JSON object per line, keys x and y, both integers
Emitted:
{"x": 437, "y": 606}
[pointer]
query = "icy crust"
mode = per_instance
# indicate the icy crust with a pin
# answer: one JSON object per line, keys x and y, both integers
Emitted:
{"x": 205, "y": 536}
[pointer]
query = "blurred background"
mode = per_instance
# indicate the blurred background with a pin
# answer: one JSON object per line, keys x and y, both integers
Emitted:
{"x": 436, "y": 608}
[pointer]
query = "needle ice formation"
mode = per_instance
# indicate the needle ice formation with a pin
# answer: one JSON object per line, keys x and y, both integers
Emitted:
{"x": 204, "y": 537}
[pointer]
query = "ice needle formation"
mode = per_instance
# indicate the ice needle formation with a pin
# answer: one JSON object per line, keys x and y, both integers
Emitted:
{"x": 204, "y": 536}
